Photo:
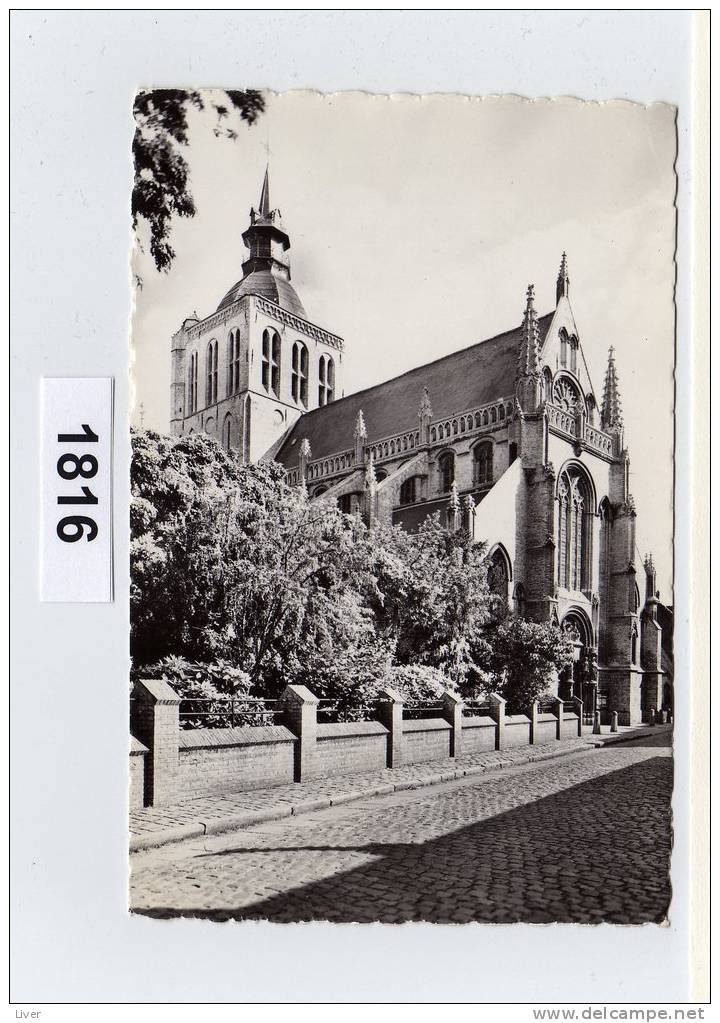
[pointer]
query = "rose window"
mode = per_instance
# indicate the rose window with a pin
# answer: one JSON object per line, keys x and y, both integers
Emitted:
{"x": 565, "y": 395}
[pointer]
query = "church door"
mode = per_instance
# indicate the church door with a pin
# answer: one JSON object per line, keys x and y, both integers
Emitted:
{"x": 579, "y": 682}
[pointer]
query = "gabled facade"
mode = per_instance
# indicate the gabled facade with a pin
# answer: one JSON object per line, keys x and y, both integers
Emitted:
{"x": 505, "y": 438}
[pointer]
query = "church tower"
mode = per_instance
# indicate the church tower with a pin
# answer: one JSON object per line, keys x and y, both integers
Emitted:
{"x": 246, "y": 373}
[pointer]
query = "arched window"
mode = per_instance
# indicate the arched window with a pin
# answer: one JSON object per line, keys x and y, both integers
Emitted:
{"x": 498, "y": 575}
{"x": 573, "y": 354}
{"x": 574, "y": 530}
{"x": 520, "y": 600}
{"x": 408, "y": 491}
{"x": 563, "y": 347}
{"x": 192, "y": 383}
{"x": 446, "y": 468}
{"x": 482, "y": 464}
{"x": 345, "y": 503}
{"x": 634, "y": 645}
{"x": 326, "y": 380}
{"x": 233, "y": 376}
{"x": 227, "y": 433}
{"x": 299, "y": 375}
{"x": 547, "y": 384}
{"x": 211, "y": 379}
{"x": 270, "y": 365}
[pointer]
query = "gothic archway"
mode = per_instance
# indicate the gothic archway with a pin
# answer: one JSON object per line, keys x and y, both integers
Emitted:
{"x": 499, "y": 572}
{"x": 580, "y": 678}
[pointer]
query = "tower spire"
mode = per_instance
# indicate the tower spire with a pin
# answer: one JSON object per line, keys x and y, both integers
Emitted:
{"x": 264, "y": 207}
{"x": 612, "y": 417}
{"x": 528, "y": 379}
{"x": 562, "y": 289}
{"x": 529, "y": 354}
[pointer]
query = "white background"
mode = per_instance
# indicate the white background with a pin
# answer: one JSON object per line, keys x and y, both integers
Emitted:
{"x": 73, "y": 79}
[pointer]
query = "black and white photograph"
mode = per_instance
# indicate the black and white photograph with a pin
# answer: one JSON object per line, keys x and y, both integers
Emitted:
{"x": 359, "y": 533}
{"x": 402, "y": 514}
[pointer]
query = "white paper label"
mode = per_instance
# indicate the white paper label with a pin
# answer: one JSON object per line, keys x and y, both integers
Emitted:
{"x": 76, "y": 466}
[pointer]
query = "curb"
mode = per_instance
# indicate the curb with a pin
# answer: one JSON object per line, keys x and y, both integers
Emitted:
{"x": 167, "y": 835}
{"x": 279, "y": 811}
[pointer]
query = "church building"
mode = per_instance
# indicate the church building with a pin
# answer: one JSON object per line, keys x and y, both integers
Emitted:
{"x": 504, "y": 438}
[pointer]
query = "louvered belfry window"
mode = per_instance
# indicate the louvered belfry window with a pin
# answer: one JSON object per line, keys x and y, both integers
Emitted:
{"x": 299, "y": 373}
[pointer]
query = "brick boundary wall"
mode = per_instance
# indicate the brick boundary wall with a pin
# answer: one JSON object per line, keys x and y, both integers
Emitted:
{"x": 168, "y": 764}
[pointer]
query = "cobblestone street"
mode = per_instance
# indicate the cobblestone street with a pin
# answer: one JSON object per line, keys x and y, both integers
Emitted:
{"x": 584, "y": 838}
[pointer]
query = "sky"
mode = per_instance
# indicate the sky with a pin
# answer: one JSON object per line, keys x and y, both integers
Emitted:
{"x": 416, "y": 224}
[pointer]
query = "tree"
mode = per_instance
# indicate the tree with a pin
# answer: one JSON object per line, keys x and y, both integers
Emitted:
{"x": 523, "y": 660}
{"x": 161, "y": 190}
{"x": 228, "y": 562}
{"x": 431, "y": 598}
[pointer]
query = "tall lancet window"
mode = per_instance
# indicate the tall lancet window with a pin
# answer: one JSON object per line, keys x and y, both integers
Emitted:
{"x": 577, "y": 529}
{"x": 563, "y": 347}
{"x": 211, "y": 373}
{"x": 574, "y": 531}
{"x": 563, "y": 532}
{"x": 326, "y": 380}
{"x": 482, "y": 464}
{"x": 192, "y": 384}
{"x": 299, "y": 375}
{"x": 446, "y": 468}
{"x": 573, "y": 354}
{"x": 270, "y": 368}
{"x": 233, "y": 376}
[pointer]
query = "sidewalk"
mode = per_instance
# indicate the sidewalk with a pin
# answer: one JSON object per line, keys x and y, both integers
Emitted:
{"x": 209, "y": 815}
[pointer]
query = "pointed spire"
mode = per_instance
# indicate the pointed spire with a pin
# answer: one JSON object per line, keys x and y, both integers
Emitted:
{"x": 611, "y": 416}
{"x": 563, "y": 282}
{"x": 425, "y": 408}
{"x": 370, "y": 477}
{"x": 454, "y": 508}
{"x": 360, "y": 428}
{"x": 304, "y": 456}
{"x": 264, "y": 207}
{"x": 529, "y": 354}
{"x": 651, "y": 592}
{"x": 454, "y": 497}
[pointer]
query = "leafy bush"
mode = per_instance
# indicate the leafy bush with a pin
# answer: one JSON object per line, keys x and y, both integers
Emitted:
{"x": 524, "y": 661}
{"x": 206, "y": 691}
{"x": 418, "y": 683}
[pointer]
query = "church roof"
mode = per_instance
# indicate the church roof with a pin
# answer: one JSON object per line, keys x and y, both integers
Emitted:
{"x": 267, "y": 285}
{"x": 462, "y": 381}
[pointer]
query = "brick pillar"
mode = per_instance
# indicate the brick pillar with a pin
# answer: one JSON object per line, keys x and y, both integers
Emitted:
{"x": 390, "y": 713}
{"x": 155, "y": 721}
{"x": 497, "y": 711}
{"x": 534, "y": 711}
{"x": 578, "y": 705}
{"x": 559, "y": 714}
{"x": 453, "y": 712}
{"x": 299, "y": 714}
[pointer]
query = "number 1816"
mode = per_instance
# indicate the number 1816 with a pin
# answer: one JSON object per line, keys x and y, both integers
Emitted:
{"x": 72, "y": 528}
